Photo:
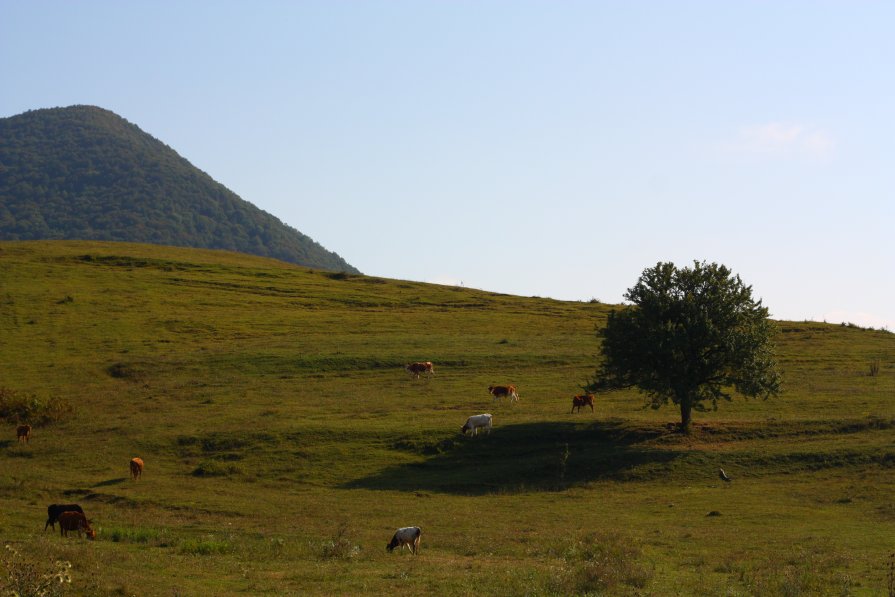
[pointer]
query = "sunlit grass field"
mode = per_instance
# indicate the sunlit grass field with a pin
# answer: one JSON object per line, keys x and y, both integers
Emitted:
{"x": 284, "y": 443}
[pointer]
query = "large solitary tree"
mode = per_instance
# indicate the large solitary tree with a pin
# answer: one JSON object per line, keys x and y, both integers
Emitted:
{"x": 690, "y": 336}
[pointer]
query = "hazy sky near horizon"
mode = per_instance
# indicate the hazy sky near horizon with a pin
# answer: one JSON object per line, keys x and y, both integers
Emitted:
{"x": 533, "y": 148}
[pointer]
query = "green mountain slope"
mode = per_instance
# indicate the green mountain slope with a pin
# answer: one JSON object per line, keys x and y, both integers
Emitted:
{"x": 284, "y": 442}
{"x": 85, "y": 173}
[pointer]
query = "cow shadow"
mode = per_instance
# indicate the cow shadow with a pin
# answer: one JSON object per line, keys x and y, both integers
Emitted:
{"x": 528, "y": 457}
{"x": 107, "y": 482}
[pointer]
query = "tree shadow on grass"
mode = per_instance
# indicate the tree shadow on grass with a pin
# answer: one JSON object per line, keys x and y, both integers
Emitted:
{"x": 528, "y": 457}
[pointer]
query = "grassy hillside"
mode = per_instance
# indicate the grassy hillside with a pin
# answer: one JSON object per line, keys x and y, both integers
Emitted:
{"x": 86, "y": 173}
{"x": 284, "y": 443}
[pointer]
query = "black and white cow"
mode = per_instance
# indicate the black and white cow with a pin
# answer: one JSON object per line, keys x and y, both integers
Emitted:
{"x": 406, "y": 536}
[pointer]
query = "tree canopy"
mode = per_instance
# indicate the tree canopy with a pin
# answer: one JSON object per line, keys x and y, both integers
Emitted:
{"x": 690, "y": 336}
{"x": 84, "y": 173}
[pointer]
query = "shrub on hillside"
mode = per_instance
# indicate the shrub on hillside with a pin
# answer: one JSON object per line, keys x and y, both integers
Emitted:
{"x": 18, "y": 407}
{"x": 125, "y": 371}
{"x": 28, "y": 578}
{"x": 216, "y": 468}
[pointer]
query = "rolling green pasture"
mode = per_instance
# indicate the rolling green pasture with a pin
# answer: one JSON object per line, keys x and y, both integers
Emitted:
{"x": 284, "y": 442}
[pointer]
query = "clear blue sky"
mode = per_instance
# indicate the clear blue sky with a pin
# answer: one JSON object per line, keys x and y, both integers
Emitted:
{"x": 534, "y": 148}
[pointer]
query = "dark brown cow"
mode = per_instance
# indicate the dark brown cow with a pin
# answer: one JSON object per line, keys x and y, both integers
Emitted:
{"x": 23, "y": 433}
{"x": 503, "y": 391}
{"x": 75, "y": 521}
{"x": 583, "y": 400}
{"x": 136, "y": 468}
{"x": 54, "y": 510}
{"x": 419, "y": 368}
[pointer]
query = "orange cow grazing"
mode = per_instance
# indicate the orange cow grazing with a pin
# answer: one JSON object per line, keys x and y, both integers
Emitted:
{"x": 583, "y": 400}
{"x": 420, "y": 368}
{"x": 500, "y": 391}
{"x": 75, "y": 521}
{"x": 23, "y": 433}
{"x": 136, "y": 468}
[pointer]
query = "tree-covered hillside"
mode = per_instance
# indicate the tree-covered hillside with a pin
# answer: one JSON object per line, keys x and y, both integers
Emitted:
{"x": 85, "y": 173}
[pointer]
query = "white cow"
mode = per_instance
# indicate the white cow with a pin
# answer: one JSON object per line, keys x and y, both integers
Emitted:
{"x": 409, "y": 536}
{"x": 474, "y": 422}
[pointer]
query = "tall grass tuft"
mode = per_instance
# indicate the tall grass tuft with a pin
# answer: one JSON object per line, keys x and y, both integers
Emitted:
{"x": 601, "y": 562}
{"x": 805, "y": 572}
{"x": 563, "y": 463}
{"x": 136, "y": 535}
{"x": 874, "y": 367}
{"x": 24, "y": 578}
{"x": 891, "y": 575}
{"x": 340, "y": 546}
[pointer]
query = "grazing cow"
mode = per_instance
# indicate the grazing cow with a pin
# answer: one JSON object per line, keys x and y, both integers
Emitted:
{"x": 419, "y": 368}
{"x": 583, "y": 400}
{"x": 75, "y": 521}
{"x": 23, "y": 433}
{"x": 54, "y": 510}
{"x": 136, "y": 468}
{"x": 409, "y": 536}
{"x": 499, "y": 392}
{"x": 474, "y": 422}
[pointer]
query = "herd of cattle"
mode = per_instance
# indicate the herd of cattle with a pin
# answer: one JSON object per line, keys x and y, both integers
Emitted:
{"x": 484, "y": 420}
{"x": 410, "y": 536}
{"x": 71, "y": 517}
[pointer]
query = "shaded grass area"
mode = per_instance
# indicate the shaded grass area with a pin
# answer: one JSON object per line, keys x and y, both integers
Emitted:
{"x": 524, "y": 457}
{"x": 556, "y": 456}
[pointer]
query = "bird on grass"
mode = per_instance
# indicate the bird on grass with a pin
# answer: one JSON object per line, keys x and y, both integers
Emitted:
{"x": 723, "y": 475}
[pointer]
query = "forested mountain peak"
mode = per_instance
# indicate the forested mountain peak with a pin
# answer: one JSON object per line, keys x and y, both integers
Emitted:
{"x": 83, "y": 172}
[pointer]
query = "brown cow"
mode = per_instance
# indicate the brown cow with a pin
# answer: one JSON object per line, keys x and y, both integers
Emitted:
{"x": 500, "y": 391}
{"x": 54, "y": 510}
{"x": 23, "y": 433}
{"x": 418, "y": 368}
{"x": 136, "y": 468}
{"x": 75, "y": 521}
{"x": 583, "y": 400}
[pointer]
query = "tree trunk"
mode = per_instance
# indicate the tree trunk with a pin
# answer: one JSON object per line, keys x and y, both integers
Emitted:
{"x": 686, "y": 412}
